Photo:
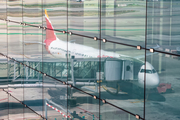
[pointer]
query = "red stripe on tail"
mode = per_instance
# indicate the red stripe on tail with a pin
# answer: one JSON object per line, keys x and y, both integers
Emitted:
{"x": 50, "y": 35}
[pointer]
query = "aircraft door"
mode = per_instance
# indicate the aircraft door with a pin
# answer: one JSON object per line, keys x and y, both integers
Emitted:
{"x": 128, "y": 70}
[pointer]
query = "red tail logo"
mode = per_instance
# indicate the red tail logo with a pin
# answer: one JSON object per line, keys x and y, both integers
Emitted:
{"x": 50, "y": 35}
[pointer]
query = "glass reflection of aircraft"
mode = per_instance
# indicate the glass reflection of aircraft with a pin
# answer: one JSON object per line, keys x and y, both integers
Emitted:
{"x": 58, "y": 48}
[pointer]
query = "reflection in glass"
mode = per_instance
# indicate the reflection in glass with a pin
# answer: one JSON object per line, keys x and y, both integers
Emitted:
{"x": 32, "y": 56}
{"x": 15, "y": 50}
{"x": 54, "y": 59}
{"x": 114, "y": 72}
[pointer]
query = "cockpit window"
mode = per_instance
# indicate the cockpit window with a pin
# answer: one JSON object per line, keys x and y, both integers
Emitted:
{"x": 154, "y": 71}
{"x": 142, "y": 70}
{"x": 148, "y": 71}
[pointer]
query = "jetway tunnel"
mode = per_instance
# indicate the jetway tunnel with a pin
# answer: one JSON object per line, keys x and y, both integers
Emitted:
{"x": 75, "y": 70}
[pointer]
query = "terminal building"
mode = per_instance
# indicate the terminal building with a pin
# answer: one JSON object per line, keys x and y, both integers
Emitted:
{"x": 89, "y": 59}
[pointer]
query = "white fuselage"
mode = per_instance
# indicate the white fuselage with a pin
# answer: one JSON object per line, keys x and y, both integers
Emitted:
{"x": 58, "y": 48}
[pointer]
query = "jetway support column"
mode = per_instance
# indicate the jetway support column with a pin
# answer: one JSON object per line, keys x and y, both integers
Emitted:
{"x": 45, "y": 108}
{"x": 26, "y": 70}
{"x": 14, "y": 70}
{"x": 72, "y": 70}
{"x": 54, "y": 69}
{"x": 72, "y": 76}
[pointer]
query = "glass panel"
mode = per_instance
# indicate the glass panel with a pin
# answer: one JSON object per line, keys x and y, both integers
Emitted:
{"x": 3, "y": 63}
{"x": 3, "y": 24}
{"x": 84, "y": 70}
{"x": 123, "y": 21}
{"x": 163, "y": 102}
{"x": 83, "y": 18}
{"x": 163, "y": 26}
{"x": 32, "y": 46}
{"x": 55, "y": 57}
{"x": 15, "y": 50}
{"x": 122, "y": 85}
{"x": 122, "y": 82}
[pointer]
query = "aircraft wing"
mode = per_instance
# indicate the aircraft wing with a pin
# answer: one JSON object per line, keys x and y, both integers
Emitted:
{"x": 32, "y": 42}
{"x": 142, "y": 56}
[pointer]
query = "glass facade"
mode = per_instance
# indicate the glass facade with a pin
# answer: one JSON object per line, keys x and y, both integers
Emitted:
{"x": 89, "y": 59}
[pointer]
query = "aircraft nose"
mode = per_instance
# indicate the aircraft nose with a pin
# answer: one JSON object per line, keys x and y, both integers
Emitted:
{"x": 155, "y": 82}
{"x": 152, "y": 81}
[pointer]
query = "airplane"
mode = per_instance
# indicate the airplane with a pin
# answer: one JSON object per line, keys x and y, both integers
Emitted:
{"x": 58, "y": 48}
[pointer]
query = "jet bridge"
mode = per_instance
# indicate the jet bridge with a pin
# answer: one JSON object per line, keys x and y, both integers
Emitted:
{"x": 86, "y": 71}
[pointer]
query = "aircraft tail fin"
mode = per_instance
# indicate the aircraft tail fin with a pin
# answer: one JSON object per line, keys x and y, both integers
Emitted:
{"x": 157, "y": 45}
{"x": 50, "y": 35}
